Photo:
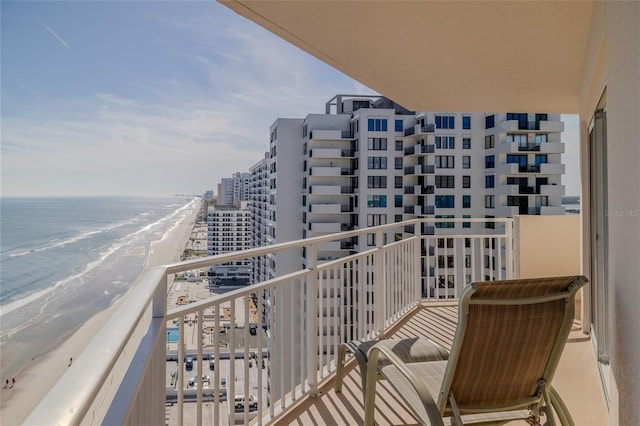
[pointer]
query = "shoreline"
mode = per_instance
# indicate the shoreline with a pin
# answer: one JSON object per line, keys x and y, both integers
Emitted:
{"x": 38, "y": 376}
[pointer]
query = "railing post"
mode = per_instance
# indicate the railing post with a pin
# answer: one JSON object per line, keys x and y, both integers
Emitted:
{"x": 180, "y": 371}
{"x": 381, "y": 285}
{"x": 312, "y": 321}
{"x": 512, "y": 259}
{"x": 417, "y": 265}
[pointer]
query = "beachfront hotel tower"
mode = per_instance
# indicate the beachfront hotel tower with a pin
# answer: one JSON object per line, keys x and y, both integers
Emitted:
{"x": 368, "y": 161}
{"x": 229, "y": 230}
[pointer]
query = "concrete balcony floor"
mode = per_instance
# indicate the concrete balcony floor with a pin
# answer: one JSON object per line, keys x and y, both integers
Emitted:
{"x": 577, "y": 380}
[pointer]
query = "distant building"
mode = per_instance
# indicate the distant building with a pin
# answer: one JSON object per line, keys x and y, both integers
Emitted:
{"x": 229, "y": 230}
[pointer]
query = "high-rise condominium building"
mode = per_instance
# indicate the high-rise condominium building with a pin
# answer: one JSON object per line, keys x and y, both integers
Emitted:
{"x": 235, "y": 189}
{"x": 368, "y": 161}
{"x": 229, "y": 230}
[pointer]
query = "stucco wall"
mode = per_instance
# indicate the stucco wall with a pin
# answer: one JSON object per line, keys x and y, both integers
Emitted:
{"x": 547, "y": 246}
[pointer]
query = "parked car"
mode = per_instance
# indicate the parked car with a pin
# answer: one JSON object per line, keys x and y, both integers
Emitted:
{"x": 239, "y": 402}
{"x": 193, "y": 381}
{"x": 212, "y": 364}
{"x": 188, "y": 363}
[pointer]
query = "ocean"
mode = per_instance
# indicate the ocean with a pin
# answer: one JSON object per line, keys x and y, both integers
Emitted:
{"x": 63, "y": 260}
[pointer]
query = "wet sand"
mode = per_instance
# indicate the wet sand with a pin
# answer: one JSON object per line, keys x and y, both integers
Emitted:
{"x": 38, "y": 377}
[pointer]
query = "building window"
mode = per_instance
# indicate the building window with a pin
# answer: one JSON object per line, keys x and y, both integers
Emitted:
{"x": 542, "y": 138}
{"x": 443, "y": 181}
{"x": 445, "y": 201}
{"x": 398, "y": 145}
{"x": 541, "y": 159}
{"x": 466, "y": 201}
{"x": 445, "y": 224}
{"x": 467, "y": 225}
{"x": 489, "y": 201}
{"x": 466, "y": 122}
{"x": 489, "y": 225}
{"x": 376, "y": 181}
{"x": 371, "y": 239}
{"x": 398, "y": 181}
{"x": 489, "y": 141}
{"x": 398, "y": 200}
{"x": 490, "y": 181}
{"x": 489, "y": 161}
{"x": 445, "y": 161}
{"x": 376, "y": 201}
{"x": 376, "y": 219}
{"x": 398, "y": 126}
{"x": 520, "y": 118}
{"x": 377, "y": 125}
{"x": 445, "y": 122}
{"x": 466, "y": 181}
{"x": 377, "y": 162}
{"x": 466, "y": 162}
{"x": 490, "y": 121}
{"x": 466, "y": 143}
{"x": 517, "y": 159}
{"x": 397, "y": 218}
{"x": 377, "y": 144}
{"x": 445, "y": 142}
{"x": 520, "y": 139}
{"x": 398, "y": 163}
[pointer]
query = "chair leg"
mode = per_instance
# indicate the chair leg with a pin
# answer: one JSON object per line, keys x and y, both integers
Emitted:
{"x": 560, "y": 408}
{"x": 370, "y": 401}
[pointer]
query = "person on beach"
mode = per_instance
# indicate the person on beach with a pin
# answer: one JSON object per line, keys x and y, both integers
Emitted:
{"x": 70, "y": 361}
{"x": 6, "y": 385}
{"x": 13, "y": 381}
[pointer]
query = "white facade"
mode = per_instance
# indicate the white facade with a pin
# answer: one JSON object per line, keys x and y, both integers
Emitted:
{"x": 369, "y": 161}
{"x": 235, "y": 189}
{"x": 229, "y": 230}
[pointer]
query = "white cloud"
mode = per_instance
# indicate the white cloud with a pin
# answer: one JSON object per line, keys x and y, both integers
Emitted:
{"x": 177, "y": 133}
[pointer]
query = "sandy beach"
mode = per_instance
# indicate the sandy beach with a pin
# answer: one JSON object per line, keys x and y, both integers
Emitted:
{"x": 37, "y": 378}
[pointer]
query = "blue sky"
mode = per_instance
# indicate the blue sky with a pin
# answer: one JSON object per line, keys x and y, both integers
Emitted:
{"x": 151, "y": 98}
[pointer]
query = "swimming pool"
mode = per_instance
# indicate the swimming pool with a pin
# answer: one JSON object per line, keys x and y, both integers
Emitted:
{"x": 172, "y": 335}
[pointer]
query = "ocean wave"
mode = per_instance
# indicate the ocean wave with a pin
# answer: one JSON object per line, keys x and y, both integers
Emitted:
{"x": 64, "y": 242}
{"x": 48, "y": 293}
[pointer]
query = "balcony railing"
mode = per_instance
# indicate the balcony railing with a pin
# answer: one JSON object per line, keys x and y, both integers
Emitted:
{"x": 272, "y": 342}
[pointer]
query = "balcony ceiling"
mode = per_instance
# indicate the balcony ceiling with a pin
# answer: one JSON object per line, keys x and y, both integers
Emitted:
{"x": 444, "y": 56}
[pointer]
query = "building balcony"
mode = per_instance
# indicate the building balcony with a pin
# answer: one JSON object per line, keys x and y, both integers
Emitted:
{"x": 324, "y": 171}
{"x": 325, "y": 227}
{"x": 330, "y": 153}
{"x": 552, "y": 210}
{"x": 418, "y": 130}
{"x": 552, "y": 189}
{"x": 419, "y": 149}
{"x": 552, "y": 126}
{"x": 329, "y": 135}
{"x": 325, "y": 190}
{"x": 542, "y": 126}
{"x": 284, "y": 342}
{"x": 552, "y": 169}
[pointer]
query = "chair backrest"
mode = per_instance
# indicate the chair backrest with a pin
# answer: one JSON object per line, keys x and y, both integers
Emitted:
{"x": 510, "y": 336}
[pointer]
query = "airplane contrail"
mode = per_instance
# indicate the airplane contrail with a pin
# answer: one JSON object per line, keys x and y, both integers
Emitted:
{"x": 55, "y": 35}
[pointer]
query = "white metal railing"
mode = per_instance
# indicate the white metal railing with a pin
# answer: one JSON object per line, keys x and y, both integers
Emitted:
{"x": 269, "y": 343}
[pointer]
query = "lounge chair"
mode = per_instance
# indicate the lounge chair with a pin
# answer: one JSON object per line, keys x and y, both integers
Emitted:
{"x": 505, "y": 352}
